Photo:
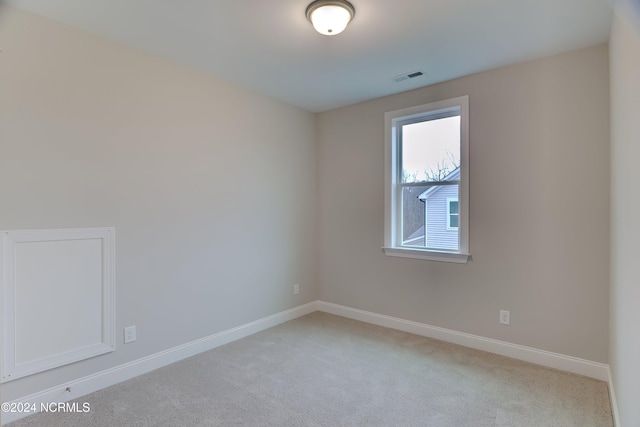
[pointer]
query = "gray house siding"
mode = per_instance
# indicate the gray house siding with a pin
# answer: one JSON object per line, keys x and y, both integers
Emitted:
{"x": 438, "y": 237}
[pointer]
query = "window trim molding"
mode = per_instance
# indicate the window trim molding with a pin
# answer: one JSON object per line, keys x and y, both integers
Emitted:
{"x": 427, "y": 254}
{"x": 391, "y": 245}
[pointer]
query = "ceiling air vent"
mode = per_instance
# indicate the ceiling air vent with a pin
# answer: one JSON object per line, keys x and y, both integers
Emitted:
{"x": 407, "y": 76}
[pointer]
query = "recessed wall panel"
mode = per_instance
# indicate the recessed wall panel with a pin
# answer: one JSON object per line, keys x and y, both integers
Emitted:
{"x": 58, "y": 298}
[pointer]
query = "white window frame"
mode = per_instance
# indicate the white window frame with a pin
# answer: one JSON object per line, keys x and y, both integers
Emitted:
{"x": 393, "y": 204}
{"x": 449, "y": 200}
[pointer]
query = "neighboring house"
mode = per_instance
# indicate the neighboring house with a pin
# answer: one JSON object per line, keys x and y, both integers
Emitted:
{"x": 416, "y": 238}
{"x": 440, "y": 229}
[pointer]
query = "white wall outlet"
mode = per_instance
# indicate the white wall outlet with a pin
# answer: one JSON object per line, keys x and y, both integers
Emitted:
{"x": 296, "y": 289}
{"x": 129, "y": 334}
{"x": 505, "y": 317}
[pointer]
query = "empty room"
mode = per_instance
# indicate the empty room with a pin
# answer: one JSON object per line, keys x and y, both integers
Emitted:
{"x": 330, "y": 212}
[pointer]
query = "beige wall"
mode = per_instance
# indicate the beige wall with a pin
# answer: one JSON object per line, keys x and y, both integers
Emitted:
{"x": 625, "y": 211}
{"x": 210, "y": 187}
{"x": 539, "y": 209}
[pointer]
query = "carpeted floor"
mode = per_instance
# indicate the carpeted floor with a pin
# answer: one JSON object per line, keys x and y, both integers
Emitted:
{"x": 324, "y": 370}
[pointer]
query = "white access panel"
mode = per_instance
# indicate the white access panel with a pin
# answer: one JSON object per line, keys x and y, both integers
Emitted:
{"x": 58, "y": 298}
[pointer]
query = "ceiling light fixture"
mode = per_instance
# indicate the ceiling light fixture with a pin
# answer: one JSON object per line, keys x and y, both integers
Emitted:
{"x": 330, "y": 17}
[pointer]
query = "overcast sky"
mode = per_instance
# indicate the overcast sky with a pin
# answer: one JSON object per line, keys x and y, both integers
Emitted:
{"x": 426, "y": 144}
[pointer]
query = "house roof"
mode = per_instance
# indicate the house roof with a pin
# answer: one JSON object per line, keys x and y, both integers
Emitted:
{"x": 418, "y": 234}
{"x": 429, "y": 191}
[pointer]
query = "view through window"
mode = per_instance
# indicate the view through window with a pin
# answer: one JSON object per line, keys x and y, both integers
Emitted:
{"x": 430, "y": 160}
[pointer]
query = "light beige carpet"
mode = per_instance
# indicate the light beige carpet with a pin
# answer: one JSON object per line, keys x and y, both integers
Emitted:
{"x": 324, "y": 370}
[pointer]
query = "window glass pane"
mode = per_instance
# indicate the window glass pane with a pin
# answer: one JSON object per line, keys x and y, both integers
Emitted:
{"x": 426, "y": 222}
{"x": 453, "y": 207}
{"x": 431, "y": 150}
{"x": 413, "y": 216}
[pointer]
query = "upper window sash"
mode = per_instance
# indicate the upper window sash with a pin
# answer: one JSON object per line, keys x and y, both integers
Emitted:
{"x": 417, "y": 118}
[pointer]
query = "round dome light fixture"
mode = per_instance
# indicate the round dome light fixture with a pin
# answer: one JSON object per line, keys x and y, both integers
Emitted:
{"x": 330, "y": 17}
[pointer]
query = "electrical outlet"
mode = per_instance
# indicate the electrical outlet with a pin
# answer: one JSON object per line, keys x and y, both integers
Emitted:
{"x": 129, "y": 334}
{"x": 505, "y": 317}
{"x": 296, "y": 289}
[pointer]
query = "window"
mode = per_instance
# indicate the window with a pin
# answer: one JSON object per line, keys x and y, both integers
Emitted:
{"x": 427, "y": 181}
{"x": 452, "y": 213}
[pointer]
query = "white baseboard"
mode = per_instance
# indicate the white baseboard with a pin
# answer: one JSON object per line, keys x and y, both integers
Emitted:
{"x": 614, "y": 402}
{"x": 575, "y": 365}
{"x": 83, "y": 386}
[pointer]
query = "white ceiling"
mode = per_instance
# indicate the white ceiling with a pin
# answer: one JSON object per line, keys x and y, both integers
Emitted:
{"x": 270, "y": 47}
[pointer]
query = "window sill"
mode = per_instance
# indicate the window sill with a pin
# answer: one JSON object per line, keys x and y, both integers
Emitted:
{"x": 428, "y": 255}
